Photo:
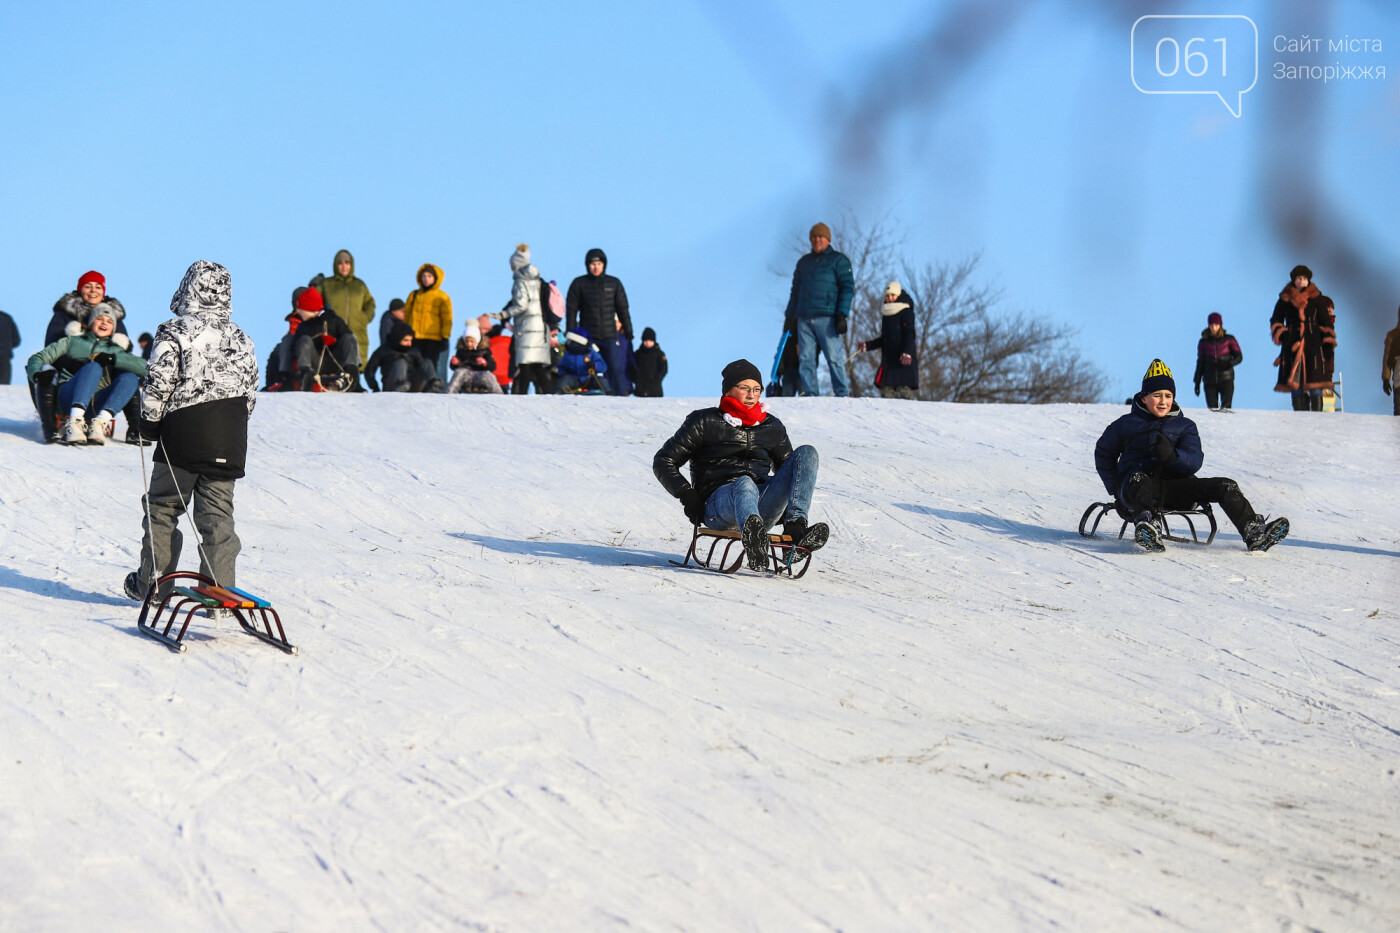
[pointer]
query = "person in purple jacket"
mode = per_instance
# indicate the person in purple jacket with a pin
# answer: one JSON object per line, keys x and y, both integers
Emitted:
{"x": 1217, "y": 355}
{"x": 1148, "y": 460}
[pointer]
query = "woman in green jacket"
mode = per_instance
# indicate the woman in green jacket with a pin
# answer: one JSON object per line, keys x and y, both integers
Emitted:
{"x": 349, "y": 297}
{"x": 95, "y": 372}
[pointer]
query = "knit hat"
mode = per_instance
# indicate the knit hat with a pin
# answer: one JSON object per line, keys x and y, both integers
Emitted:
{"x": 737, "y": 371}
{"x": 93, "y": 275}
{"x": 98, "y": 311}
{"x": 596, "y": 254}
{"x": 894, "y": 290}
{"x": 398, "y": 332}
{"x": 310, "y": 300}
{"x": 1157, "y": 378}
{"x": 395, "y": 305}
{"x": 821, "y": 230}
{"x": 1304, "y": 271}
{"x": 648, "y": 334}
{"x": 473, "y": 331}
{"x": 521, "y": 257}
{"x": 1215, "y": 318}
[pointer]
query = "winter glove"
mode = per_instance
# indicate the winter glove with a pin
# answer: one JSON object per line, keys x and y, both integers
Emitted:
{"x": 1162, "y": 448}
{"x": 149, "y": 430}
{"x": 1385, "y": 386}
{"x": 840, "y": 323}
{"x": 104, "y": 359}
{"x": 1198, "y": 388}
{"x": 694, "y": 505}
{"x": 326, "y": 340}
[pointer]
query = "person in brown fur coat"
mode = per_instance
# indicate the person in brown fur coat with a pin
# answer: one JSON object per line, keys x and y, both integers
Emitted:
{"x": 1304, "y": 328}
{"x": 1390, "y": 367}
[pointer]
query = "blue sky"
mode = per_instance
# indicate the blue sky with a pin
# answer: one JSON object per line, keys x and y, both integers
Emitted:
{"x": 692, "y": 142}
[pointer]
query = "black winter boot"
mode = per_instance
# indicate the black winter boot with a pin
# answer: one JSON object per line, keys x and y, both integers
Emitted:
{"x": 1262, "y": 534}
{"x": 46, "y": 403}
{"x": 755, "y": 541}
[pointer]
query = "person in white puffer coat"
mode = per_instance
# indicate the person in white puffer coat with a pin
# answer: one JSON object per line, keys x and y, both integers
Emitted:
{"x": 530, "y": 342}
{"x": 201, "y": 385}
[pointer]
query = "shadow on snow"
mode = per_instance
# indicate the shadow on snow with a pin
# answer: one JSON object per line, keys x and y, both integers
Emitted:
{"x": 600, "y": 554}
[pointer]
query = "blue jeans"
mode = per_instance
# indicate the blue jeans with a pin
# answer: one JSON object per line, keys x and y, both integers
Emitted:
{"x": 818, "y": 334}
{"x": 81, "y": 391}
{"x": 787, "y": 494}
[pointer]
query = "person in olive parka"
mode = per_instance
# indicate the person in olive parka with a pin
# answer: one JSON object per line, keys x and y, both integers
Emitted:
{"x": 346, "y": 295}
{"x": 744, "y": 472}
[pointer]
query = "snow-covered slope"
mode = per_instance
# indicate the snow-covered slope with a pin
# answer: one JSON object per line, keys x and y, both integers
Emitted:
{"x": 510, "y": 712}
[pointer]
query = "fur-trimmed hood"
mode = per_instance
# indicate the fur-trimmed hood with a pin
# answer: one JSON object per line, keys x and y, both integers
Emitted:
{"x": 76, "y": 309}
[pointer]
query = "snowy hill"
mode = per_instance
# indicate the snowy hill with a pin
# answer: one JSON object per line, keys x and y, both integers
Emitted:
{"x": 509, "y": 712}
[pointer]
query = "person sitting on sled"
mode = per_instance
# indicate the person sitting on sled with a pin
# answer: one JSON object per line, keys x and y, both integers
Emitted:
{"x": 473, "y": 366}
{"x": 581, "y": 367}
{"x": 744, "y": 472}
{"x": 400, "y": 366}
{"x": 1149, "y": 457}
{"x": 93, "y": 374}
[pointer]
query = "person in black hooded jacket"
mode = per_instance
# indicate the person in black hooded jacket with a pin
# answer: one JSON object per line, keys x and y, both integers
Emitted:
{"x": 744, "y": 472}
{"x": 651, "y": 367}
{"x": 598, "y": 303}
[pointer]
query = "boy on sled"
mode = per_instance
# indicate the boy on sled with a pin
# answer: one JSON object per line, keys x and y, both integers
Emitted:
{"x": 1149, "y": 458}
{"x": 744, "y": 471}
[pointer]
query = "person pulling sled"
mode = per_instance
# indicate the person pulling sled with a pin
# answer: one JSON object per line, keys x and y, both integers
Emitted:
{"x": 744, "y": 472}
{"x": 1149, "y": 457}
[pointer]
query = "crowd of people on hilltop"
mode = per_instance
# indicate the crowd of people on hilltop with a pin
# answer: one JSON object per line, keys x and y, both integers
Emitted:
{"x": 579, "y": 342}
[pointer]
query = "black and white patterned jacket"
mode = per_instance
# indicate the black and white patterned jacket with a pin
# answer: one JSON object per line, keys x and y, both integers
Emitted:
{"x": 201, "y": 384}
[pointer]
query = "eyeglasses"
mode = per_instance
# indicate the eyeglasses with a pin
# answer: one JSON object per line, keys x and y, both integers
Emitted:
{"x": 750, "y": 390}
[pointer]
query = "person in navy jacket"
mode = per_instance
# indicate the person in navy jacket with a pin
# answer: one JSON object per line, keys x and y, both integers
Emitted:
{"x": 1149, "y": 458}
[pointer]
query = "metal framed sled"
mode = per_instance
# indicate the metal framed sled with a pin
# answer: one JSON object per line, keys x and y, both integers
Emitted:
{"x": 202, "y": 593}
{"x": 1161, "y": 517}
{"x": 784, "y": 556}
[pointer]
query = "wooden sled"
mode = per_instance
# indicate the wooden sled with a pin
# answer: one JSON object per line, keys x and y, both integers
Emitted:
{"x": 203, "y": 593}
{"x": 784, "y": 557}
{"x": 1160, "y": 517}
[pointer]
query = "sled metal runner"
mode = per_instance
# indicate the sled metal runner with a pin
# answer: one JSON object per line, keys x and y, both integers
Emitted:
{"x": 784, "y": 557}
{"x": 199, "y": 593}
{"x": 1161, "y": 517}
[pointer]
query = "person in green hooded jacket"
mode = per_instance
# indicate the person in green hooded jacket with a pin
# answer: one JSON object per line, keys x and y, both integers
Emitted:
{"x": 349, "y": 297}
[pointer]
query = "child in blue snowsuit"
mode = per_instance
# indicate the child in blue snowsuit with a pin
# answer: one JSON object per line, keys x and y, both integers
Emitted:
{"x": 581, "y": 367}
{"x": 1149, "y": 457}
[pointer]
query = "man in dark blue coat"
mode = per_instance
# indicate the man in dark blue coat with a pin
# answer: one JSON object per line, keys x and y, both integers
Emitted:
{"x": 1149, "y": 457}
{"x": 817, "y": 309}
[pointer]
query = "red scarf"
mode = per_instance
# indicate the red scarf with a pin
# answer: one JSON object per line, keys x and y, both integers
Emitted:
{"x": 749, "y": 416}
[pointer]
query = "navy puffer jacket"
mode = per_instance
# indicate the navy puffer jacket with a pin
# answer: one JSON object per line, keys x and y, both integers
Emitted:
{"x": 1124, "y": 448}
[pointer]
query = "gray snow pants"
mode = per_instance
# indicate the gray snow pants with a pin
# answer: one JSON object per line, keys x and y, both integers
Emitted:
{"x": 212, "y": 501}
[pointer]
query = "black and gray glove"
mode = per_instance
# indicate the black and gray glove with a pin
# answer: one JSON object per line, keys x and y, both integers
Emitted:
{"x": 1162, "y": 448}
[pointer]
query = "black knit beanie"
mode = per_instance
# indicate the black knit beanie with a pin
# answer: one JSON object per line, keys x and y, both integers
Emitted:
{"x": 737, "y": 371}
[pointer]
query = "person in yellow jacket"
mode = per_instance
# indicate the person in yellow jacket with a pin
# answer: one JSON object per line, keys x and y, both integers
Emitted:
{"x": 429, "y": 312}
{"x": 349, "y": 298}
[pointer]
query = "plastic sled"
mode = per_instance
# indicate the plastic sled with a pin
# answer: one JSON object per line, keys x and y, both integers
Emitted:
{"x": 203, "y": 593}
{"x": 784, "y": 557}
{"x": 1160, "y": 517}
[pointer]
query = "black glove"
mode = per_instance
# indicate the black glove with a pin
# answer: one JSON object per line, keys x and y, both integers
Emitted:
{"x": 150, "y": 430}
{"x": 104, "y": 359}
{"x": 1385, "y": 386}
{"x": 694, "y": 505}
{"x": 840, "y": 323}
{"x": 1162, "y": 448}
{"x": 1198, "y": 388}
{"x": 790, "y": 324}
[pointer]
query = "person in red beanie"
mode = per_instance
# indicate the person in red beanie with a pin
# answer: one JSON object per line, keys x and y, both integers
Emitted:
{"x": 71, "y": 313}
{"x": 744, "y": 472}
{"x": 325, "y": 349}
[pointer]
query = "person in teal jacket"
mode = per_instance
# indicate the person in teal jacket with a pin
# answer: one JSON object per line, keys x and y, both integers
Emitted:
{"x": 817, "y": 309}
{"x": 95, "y": 374}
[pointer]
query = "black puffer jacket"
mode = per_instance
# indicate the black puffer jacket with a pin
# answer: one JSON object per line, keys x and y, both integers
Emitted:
{"x": 719, "y": 452}
{"x": 595, "y": 300}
